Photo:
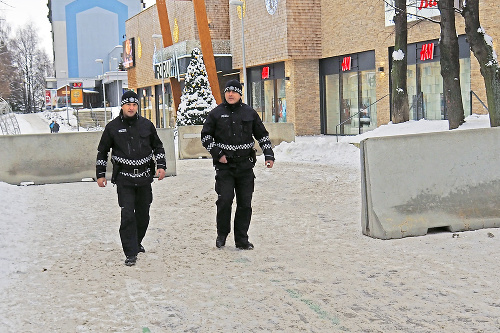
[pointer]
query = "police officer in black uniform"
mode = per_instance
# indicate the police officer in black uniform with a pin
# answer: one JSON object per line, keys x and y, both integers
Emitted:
{"x": 228, "y": 134}
{"x": 135, "y": 148}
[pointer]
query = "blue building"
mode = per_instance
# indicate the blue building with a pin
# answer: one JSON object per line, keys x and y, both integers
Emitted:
{"x": 86, "y": 30}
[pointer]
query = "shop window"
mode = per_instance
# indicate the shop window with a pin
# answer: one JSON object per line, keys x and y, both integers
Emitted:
{"x": 465, "y": 84}
{"x": 257, "y": 93}
{"x": 332, "y": 102}
{"x": 281, "y": 115}
{"x": 269, "y": 100}
{"x": 368, "y": 115}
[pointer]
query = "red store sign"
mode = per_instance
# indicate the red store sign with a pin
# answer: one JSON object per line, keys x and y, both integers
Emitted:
{"x": 346, "y": 64}
{"x": 265, "y": 73}
{"x": 427, "y": 52}
{"x": 427, "y": 4}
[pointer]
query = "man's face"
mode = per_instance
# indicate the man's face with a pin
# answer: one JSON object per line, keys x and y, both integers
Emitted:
{"x": 129, "y": 109}
{"x": 232, "y": 97}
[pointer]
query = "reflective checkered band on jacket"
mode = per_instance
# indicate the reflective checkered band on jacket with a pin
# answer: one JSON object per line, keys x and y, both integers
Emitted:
{"x": 235, "y": 147}
{"x": 135, "y": 175}
{"x": 206, "y": 138}
{"x": 160, "y": 155}
{"x": 265, "y": 146}
{"x": 264, "y": 139}
{"x": 101, "y": 162}
{"x": 126, "y": 161}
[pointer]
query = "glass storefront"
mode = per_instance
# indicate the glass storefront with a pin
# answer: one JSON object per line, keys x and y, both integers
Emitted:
{"x": 348, "y": 94}
{"x": 425, "y": 83}
{"x": 169, "y": 108}
{"x": 146, "y": 103}
{"x": 267, "y": 92}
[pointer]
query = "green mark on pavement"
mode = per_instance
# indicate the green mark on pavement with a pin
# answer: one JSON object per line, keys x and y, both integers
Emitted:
{"x": 145, "y": 330}
{"x": 316, "y": 308}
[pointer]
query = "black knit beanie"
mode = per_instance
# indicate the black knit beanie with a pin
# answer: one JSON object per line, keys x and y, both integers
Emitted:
{"x": 234, "y": 85}
{"x": 130, "y": 97}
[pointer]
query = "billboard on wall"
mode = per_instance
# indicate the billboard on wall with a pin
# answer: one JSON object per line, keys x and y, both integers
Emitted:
{"x": 76, "y": 93}
{"x": 415, "y": 10}
{"x": 50, "y": 99}
{"x": 128, "y": 53}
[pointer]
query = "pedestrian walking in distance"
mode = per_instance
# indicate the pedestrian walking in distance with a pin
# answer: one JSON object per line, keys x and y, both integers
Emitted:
{"x": 135, "y": 147}
{"x": 228, "y": 134}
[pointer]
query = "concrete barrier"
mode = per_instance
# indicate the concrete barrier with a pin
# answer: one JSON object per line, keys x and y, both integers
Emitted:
{"x": 414, "y": 183}
{"x": 61, "y": 157}
{"x": 189, "y": 141}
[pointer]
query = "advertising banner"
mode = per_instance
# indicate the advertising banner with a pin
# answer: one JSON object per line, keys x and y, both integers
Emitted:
{"x": 76, "y": 96}
{"x": 128, "y": 53}
{"x": 48, "y": 99}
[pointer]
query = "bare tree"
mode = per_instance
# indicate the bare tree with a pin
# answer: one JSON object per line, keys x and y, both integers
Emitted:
{"x": 401, "y": 110}
{"x": 32, "y": 62}
{"x": 482, "y": 46}
{"x": 10, "y": 88}
{"x": 450, "y": 65}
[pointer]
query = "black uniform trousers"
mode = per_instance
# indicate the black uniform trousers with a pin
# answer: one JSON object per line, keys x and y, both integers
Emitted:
{"x": 227, "y": 183}
{"x": 135, "y": 202}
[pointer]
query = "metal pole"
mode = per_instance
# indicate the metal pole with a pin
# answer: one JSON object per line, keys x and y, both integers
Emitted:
{"x": 117, "y": 83}
{"x": 245, "y": 88}
{"x": 104, "y": 94}
{"x": 163, "y": 90}
{"x": 67, "y": 112}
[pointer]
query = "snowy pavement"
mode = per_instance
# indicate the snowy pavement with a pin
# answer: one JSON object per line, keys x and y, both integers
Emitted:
{"x": 312, "y": 270}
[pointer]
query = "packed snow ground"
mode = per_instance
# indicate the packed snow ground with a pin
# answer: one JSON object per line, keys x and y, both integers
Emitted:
{"x": 61, "y": 264}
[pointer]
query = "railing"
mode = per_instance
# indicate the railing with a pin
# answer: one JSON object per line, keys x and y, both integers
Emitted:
{"x": 359, "y": 117}
{"x": 8, "y": 120}
{"x": 472, "y": 94}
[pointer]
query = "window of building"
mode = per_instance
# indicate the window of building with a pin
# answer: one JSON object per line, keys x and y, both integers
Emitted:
{"x": 348, "y": 93}
{"x": 268, "y": 94}
{"x": 425, "y": 83}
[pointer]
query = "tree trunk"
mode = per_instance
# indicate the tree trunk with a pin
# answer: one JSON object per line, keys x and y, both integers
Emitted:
{"x": 450, "y": 65}
{"x": 401, "y": 111}
{"x": 482, "y": 47}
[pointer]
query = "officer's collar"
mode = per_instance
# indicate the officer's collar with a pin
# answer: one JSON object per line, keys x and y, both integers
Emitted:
{"x": 232, "y": 106}
{"x": 129, "y": 120}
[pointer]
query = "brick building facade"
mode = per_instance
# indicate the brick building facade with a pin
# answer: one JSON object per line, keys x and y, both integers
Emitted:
{"x": 316, "y": 63}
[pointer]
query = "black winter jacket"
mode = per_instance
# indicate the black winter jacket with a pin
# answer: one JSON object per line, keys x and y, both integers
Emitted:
{"x": 230, "y": 130}
{"x": 134, "y": 143}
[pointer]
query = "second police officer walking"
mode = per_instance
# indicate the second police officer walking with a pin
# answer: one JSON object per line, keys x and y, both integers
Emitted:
{"x": 135, "y": 147}
{"x": 228, "y": 134}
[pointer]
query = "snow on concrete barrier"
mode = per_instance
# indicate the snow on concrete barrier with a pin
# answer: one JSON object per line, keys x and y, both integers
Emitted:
{"x": 414, "y": 183}
{"x": 61, "y": 157}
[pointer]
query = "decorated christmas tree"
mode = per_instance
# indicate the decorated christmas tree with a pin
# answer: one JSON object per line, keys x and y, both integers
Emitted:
{"x": 197, "y": 99}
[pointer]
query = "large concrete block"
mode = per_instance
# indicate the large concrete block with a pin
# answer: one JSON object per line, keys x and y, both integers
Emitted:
{"x": 61, "y": 157}
{"x": 413, "y": 183}
{"x": 189, "y": 140}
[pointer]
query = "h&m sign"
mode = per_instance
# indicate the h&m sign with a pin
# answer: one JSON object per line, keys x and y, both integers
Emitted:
{"x": 415, "y": 10}
{"x": 427, "y": 52}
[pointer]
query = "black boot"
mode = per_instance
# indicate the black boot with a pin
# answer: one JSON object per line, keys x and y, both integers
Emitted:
{"x": 220, "y": 241}
{"x": 245, "y": 246}
{"x": 131, "y": 260}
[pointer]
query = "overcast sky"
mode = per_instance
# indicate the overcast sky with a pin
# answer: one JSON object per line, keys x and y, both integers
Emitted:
{"x": 18, "y": 13}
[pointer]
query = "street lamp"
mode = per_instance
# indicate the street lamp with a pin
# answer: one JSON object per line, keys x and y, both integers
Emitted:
{"x": 103, "y": 90}
{"x": 245, "y": 90}
{"x": 117, "y": 82}
{"x": 162, "y": 81}
{"x": 66, "y": 97}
